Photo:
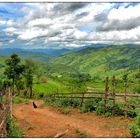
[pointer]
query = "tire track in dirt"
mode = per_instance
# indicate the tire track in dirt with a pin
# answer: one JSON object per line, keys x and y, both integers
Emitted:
{"x": 47, "y": 122}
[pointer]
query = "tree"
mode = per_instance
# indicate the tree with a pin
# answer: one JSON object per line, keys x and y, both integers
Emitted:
{"x": 19, "y": 84}
{"x": 125, "y": 77}
{"x": 14, "y": 69}
{"x": 80, "y": 79}
{"x": 28, "y": 74}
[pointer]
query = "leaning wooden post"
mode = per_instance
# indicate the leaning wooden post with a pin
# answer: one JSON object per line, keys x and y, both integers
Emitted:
{"x": 114, "y": 94}
{"x": 106, "y": 92}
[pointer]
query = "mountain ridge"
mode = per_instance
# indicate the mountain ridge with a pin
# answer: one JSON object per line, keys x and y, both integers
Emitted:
{"x": 103, "y": 60}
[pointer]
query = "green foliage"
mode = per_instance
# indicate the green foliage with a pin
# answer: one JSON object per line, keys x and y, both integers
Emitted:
{"x": 64, "y": 102}
{"x": 12, "y": 130}
{"x": 4, "y": 82}
{"x": 14, "y": 69}
{"x": 134, "y": 128}
{"x": 137, "y": 90}
{"x": 29, "y": 70}
{"x": 108, "y": 60}
{"x": 90, "y": 105}
{"x": 100, "y": 110}
{"x": 19, "y": 84}
{"x": 118, "y": 109}
{"x": 18, "y": 100}
{"x": 137, "y": 120}
{"x": 28, "y": 74}
{"x": 96, "y": 105}
{"x": 125, "y": 77}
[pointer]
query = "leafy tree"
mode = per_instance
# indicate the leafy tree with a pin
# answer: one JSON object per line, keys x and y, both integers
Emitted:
{"x": 79, "y": 80}
{"x": 125, "y": 77}
{"x": 14, "y": 69}
{"x": 29, "y": 71}
{"x": 19, "y": 84}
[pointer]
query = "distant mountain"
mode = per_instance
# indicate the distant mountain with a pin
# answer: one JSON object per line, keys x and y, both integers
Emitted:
{"x": 38, "y": 56}
{"x": 106, "y": 60}
{"x": 51, "y": 52}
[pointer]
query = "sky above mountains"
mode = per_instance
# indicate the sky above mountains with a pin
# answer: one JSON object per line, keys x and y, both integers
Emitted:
{"x": 66, "y": 25}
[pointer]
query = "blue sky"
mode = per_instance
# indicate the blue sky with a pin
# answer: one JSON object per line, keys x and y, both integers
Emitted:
{"x": 42, "y": 25}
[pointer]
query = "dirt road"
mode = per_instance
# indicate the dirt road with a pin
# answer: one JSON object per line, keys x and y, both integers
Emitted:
{"x": 49, "y": 121}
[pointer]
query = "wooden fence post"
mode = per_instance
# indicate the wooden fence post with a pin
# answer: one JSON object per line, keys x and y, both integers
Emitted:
{"x": 106, "y": 92}
{"x": 10, "y": 102}
{"x": 82, "y": 99}
{"x": 114, "y": 94}
{"x": 125, "y": 90}
{"x": 6, "y": 113}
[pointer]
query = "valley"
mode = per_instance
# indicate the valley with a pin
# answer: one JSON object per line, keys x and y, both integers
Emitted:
{"x": 79, "y": 71}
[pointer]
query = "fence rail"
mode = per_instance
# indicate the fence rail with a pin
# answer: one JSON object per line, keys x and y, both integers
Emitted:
{"x": 106, "y": 96}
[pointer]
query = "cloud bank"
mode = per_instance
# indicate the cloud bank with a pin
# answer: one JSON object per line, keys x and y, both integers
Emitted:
{"x": 41, "y": 25}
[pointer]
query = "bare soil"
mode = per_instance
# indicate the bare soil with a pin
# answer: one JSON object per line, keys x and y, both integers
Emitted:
{"x": 48, "y": 121}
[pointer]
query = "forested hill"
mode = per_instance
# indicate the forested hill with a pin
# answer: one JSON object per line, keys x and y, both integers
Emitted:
{"x": 103, "y": 60}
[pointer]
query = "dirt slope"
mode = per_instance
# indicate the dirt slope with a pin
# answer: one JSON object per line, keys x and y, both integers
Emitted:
{"x": 47, "y": 122}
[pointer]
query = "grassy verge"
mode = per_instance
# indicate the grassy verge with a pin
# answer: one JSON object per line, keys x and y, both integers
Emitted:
{"x": 18, "y": 100}
{"x": 134, "y": 128}
{"x": 12, "y": 130}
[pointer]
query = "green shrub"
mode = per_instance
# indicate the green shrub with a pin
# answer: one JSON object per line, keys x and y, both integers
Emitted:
{"x": 12, "y": 130}
{"x": 75, "y": 102}
{"x": 63, "y": 102}
{"x": 134, "y": 130}
{"x": 87, "y": 107}
{"x": 90, "y": 105}
{"x": 108, "y": 114}
{"x": 100, "y": 110}
{"x": 137, "y": 110}
{"x": 118, "y": 110}
{"x": 18, "y": 100}
{"x": 137, "y": 90}
{"x": 137, "y": 120}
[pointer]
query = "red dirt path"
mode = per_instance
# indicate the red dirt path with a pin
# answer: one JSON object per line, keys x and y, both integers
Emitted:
{"x": 48, "y": 121}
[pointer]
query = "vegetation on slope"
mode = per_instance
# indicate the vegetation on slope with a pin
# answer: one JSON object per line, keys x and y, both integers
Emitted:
{"x": 104, "y": 61}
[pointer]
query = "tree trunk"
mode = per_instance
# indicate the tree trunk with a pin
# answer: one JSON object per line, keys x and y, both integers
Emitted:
{"x": 18, "y": 92}
{"x": 13, "y": 86}
{"x": 31, "y": 92}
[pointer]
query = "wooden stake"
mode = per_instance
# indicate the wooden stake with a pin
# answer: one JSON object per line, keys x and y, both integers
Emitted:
{"x": 114, "y": 94}
{"x": 82, "y": 99}
{"x": 106, "y": 91}
{"x": 10, "y": 102}
{"x": 125, "y": 90}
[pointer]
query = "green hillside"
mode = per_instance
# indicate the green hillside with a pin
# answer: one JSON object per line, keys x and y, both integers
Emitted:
{"x": 103, "y": 61}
